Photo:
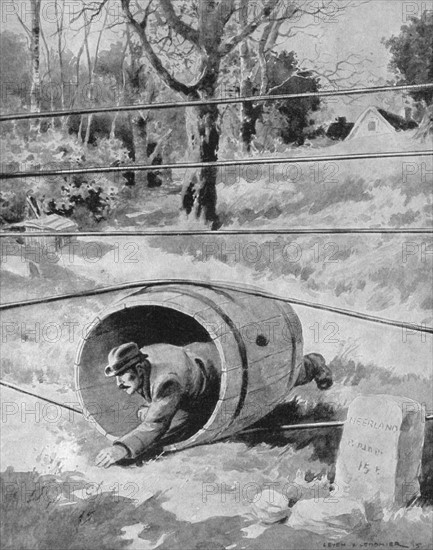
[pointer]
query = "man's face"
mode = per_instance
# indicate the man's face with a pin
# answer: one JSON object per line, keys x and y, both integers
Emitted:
{"x": 129, "y": 381}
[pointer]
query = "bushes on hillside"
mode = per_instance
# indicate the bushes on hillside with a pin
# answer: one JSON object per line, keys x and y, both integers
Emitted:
{"x": 86, "y": 198}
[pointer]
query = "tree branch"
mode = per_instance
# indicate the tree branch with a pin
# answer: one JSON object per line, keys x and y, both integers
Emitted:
{"x": 271, "y": 90}
{"x": 25, "y": 27}
{"x": 262, "y": 58}
{"x": 176, "y": 23}
{"x": 227, "y": 9}
{"x": 228, "y": 45}
{"x": 140, "y": 28}
{"x": 161, "y": 142}
{"x": 96, "y": 11}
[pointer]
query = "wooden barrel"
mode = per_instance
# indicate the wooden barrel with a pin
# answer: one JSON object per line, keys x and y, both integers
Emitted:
{"x": 259, "y": 342}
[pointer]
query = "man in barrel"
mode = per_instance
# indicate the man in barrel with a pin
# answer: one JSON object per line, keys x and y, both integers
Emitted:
{"x": 180, "y": 388}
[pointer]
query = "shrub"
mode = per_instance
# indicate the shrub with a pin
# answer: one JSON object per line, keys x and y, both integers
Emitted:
{"x": 88, "y": 199}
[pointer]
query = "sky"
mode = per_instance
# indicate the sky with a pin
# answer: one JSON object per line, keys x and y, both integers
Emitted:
{"x": 357, "y": 31}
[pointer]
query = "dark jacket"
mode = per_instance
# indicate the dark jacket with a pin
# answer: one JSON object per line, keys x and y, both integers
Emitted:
{"x": 179, "y": 379}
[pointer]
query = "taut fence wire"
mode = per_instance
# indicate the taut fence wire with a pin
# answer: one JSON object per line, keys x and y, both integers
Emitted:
{"x": 220, "y": 163}
{"x": 223, "y": 285}
{"x": 216, "y": 101}
{"x": 223, "y": 232}
{"x": 248, "y": 431}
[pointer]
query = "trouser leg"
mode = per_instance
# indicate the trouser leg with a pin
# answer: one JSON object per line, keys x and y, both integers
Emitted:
{"x": 314, "y": 368}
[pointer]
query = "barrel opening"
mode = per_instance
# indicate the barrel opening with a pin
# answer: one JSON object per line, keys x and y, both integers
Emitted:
{"x": 114, "y": 412}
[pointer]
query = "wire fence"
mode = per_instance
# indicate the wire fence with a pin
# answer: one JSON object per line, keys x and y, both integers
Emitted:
{"x": 220, "y": 232}
{"x": 224, "y": 163}
{"x": 221, "y": 163}
{"x": 216, "y": 101}
{"x": 249, "y": 431}
{"x": 246, "y": 289}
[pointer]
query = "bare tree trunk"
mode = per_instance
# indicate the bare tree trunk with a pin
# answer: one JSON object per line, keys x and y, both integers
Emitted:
{"x": 76, "y": 90}
{"x": 138, "y": 119}
{"x": 49, "y": 72}
{"x": 80, "y": 128}
{"x": 89, "y": 68}
{"x": 59, "y": 24}
{"x": 92, "y": 67}
{"x": 199, "y": 194}
{"x": 139, "y": 136}
{"x": 35, "y": 91}
{"x": 248, "y": 120}
{"x": 250, "y": 111}
{"x": 246, "y": 87}
{"x": 116, "y": 115}
{"x": 87, "y": 135}
{"x": 122, "y": 93}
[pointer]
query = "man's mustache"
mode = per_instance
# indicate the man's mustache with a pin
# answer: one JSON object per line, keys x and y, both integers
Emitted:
{"x": 123, "y": 387}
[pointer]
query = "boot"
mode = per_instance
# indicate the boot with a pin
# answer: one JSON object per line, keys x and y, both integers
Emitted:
{"x": 314, "y": 368}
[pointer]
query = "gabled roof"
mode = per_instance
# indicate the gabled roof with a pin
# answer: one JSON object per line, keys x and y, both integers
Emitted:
{"x": 363, "y": 116}
{"x": 398, "y": 122}
{"x": 392, "y": 121}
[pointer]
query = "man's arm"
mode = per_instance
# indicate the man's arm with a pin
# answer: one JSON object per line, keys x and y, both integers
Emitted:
{"x": 164, "y": 406}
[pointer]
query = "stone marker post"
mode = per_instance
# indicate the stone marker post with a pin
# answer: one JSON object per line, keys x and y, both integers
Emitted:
{"x": 379, "y": 458}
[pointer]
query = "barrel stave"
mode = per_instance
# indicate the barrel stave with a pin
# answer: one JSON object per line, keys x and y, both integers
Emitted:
{"x": 259, "y": 341}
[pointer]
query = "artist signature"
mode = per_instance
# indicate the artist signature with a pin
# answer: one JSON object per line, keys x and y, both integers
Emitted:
{"x": 391, "y": 544}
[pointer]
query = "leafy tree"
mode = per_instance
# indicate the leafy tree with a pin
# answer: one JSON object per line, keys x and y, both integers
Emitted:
{"x": 146, "y": 133}
{"x": 86, "y": 198}
{"x": 412, "y": 54}
{"x": 85, "y": 202}
{"x": 196, "y": 31}
{"x": 288, "y": 120}
{"x": 187, "y": 43}
{"x": 264, "y": 70}
{"x": 12, "y": 206}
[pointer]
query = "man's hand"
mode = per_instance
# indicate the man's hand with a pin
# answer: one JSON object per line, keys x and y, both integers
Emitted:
{"x": 107, "y": 457}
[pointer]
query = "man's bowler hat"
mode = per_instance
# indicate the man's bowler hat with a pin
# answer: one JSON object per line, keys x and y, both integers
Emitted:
{"x": 123, "y": 358}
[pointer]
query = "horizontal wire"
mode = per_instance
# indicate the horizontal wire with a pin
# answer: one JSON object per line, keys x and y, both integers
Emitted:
{"x": 307, "y": 426}
{"x": 222, "y": 285}
{"x": 290, "y": 427}
{"x": 20, "y": 390}
{"x": 221, "y": 232}
{"x": 220, "y": 163}
{"x": 217, "y": 101}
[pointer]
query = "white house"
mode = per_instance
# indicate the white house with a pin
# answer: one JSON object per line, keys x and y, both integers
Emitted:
{"x": 376, "y": 122}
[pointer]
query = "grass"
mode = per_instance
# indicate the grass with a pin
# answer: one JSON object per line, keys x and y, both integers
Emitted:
{"x": 357, "y": 272}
